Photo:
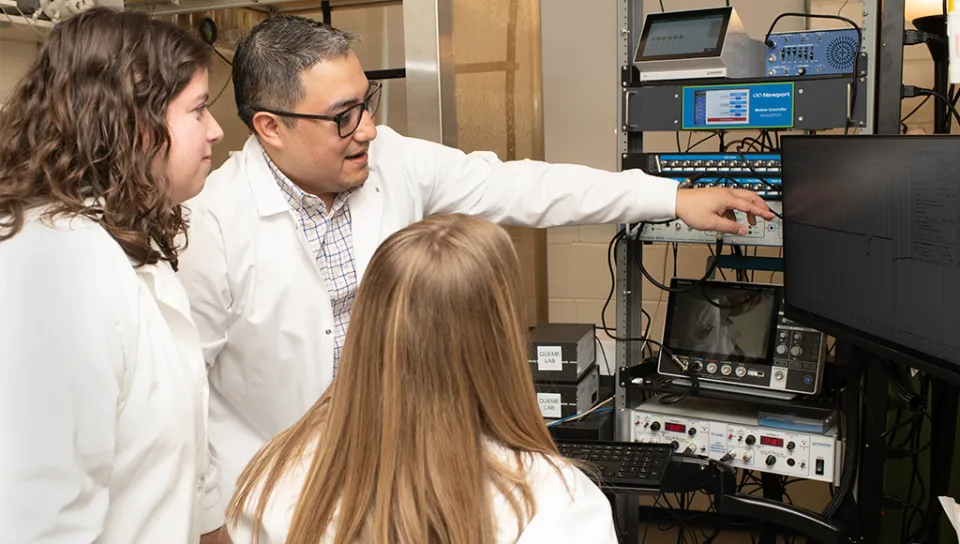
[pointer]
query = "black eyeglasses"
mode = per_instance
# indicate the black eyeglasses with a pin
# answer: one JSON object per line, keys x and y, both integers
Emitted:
{"x": 348, "y": 120}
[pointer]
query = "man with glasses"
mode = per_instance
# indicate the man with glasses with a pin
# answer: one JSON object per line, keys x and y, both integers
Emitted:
{"x": 283, "y": 231}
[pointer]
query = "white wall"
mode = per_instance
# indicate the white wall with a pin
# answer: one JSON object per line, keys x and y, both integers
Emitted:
{"x": 15, "y": 59}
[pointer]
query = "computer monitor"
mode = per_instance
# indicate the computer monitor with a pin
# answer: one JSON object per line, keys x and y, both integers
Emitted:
{"x": 871, "y": 243}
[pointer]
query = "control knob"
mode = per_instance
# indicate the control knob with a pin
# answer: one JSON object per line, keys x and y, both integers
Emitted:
{"x": 747, "y": 457}
{"x": 692, "y": 431}
{"x": 741, "y": 371}
{"x": 796, "y": 351}
{"x": 655, "y": 426}
{"x": 781, "y": 349}
{"x": 751, "y": 440}
{"x": 791, "y": 446}
{"x": 791, "y": 462}
{"x": 771, "y": 460}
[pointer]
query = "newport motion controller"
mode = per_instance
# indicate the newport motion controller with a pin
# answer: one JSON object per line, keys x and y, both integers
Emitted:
{"x": 739, "y": 106}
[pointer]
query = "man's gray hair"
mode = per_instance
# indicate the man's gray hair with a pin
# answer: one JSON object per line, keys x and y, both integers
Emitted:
{"x": 270, "y": 58}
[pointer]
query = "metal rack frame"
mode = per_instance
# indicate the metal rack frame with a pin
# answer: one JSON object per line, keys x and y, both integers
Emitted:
{"x": 629, "y": 284}
{"x": 881, "y": 71}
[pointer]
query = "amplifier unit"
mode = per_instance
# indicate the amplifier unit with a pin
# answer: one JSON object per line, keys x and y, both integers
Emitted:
{"x": 812, "y": 53}
{"x": 724, "y": 431}
{"x": 733, "y": 336}
{"x": 764, "y": 233}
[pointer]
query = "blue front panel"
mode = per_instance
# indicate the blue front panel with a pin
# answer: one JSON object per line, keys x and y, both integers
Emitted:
{"x": 748, "y": 106}
{"x": 812, "y": 53}
{"x": 723, "y": 170}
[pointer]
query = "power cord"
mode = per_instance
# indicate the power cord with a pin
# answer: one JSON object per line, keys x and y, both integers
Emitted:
{"x": 761, "y": 178}
{"x": 695, "y": 383}
{"x": 606, "y": 362}
{"x": 706, "y": 276}
{"x": 911, "y": 91}
{"x": 856, "y": 54}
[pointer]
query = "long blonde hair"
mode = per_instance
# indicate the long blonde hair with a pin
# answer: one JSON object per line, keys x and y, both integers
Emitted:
{"x": 434, "y": 366}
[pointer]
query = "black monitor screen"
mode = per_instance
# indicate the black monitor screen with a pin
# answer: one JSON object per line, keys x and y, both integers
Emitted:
{"x": 683, "y": 36}
{"x": 724, "y": 321}
{"x": 871, "y": 239}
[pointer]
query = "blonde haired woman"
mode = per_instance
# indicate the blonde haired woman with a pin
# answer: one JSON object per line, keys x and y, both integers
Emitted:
{"x": 430, "y": 432}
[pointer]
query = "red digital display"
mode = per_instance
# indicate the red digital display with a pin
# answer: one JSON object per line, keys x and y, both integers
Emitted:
{"x": 675, "y": 427}
{"x": 770, "y": 441}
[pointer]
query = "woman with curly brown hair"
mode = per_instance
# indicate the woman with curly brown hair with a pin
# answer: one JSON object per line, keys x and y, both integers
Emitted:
{"x": 103, "y": 391}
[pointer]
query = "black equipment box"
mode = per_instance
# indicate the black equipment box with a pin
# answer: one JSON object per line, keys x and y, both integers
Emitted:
{"x": 560, "y": 400}
{"x": 562, "y": 352}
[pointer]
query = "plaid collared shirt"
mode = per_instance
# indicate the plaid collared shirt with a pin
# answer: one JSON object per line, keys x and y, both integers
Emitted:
{"x": 330, "y": 237}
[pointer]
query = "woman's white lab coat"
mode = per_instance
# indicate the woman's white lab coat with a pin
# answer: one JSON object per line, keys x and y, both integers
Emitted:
{"x": 261, "y": 304}
{"x": 103, "y": 395}
{"x": 570, "y": 508}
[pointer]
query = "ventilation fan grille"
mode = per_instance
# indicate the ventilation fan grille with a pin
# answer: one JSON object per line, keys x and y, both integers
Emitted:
{"x": 840, "y": 53}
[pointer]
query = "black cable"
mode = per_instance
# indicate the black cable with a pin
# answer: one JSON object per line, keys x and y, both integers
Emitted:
{"x": 753, "y": 141}
{"x": 948, "y": 122}
{"x": 219, "y": 54}
{"x": 856, "y": 55}
{"x": 676, "y": 252}
{"x": 944, "y": 99}
{"x": 694, "y": 382}
{"x": 852, "y": 447}
{"x": 617, "y": 238}
{"x": 720, "y": 270}
{"x": 762, "y": 180}
{"x": 754, "y": 172}
{"x": 700, "y": 141}
{"x": 606, "y": 362}
{"x": 691, "y": 287}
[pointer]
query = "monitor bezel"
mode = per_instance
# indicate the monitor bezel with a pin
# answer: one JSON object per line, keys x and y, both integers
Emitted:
{"x": 681, "y": 283}
{"x": 653, "y": 18}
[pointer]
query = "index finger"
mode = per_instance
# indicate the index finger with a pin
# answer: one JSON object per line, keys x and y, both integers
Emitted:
{"x": 750, "y": 202}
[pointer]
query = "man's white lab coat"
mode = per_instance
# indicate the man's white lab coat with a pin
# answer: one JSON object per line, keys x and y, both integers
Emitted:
{"x": 259, "y": 299}
{"x": 103, "y": 395}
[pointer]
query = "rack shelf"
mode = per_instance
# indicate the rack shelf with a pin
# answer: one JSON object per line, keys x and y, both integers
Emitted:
{"x": 22, "y": 29}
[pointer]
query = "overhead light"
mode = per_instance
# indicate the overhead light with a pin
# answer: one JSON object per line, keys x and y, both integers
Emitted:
{"x": 921, "y": 8}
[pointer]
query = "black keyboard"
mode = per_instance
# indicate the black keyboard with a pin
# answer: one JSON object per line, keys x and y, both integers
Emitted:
{"x": 621, "y": 463}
